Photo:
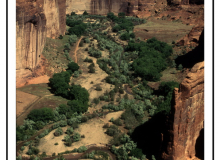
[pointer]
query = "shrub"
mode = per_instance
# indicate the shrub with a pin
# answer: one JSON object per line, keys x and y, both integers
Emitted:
{"x": 78, "y": 29}
{"x": 88, "y": 60}
{"x": 85, "y": 13}
{"x": 76, "y": 137}
{"x": 92, "y": 70}
{"x": 60, "y": 83}
{"x": 76, "y": 74}
{"x": 55, "y": 144}
{"x": 121, "y": 91}
{"x": 113, "y": 130}
{"x": 77, "y": 106}
{"x": 117, "y": 122}
{"x": 60, "y": 37}
{"x": 79, "y": 93}
{"x": 94, "y": 52}
{"x": 84, "y": 119}
{"x": 69, "y": 130}
{"x": 72, "y": 39}
{"x": 73, "y": 67}
{"x": 63, "y": 109}
{"x": 67, "y": 46}
{"x": 121, "y": 15}
{"x": 68, "y": 140}
{"x": 96, "y": 100}
{"x": 58, "y": 132}
{"x": 43, "y": 114}
{"x": 98, "y": 88}
{"x": 82, "y": 149}
{"x": 180, "y": 67}
{"x": 87, "y": 40}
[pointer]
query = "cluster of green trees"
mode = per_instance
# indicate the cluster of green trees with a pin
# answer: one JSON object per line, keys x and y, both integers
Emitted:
{"x": 77, "y": 27}
{"x": 95, "y": 52}
{"x": 151, "y": 58}
{"x": 127, "y": 36}
{"x": 128, "y": 150}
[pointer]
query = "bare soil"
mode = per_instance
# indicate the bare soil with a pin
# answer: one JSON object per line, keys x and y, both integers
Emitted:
{"x": 23, "y": 100}
{"x": 166, "y": 31}
{"x": 93, "y": 131}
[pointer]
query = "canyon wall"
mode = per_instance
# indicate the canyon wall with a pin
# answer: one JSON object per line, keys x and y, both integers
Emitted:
{"x": 98, "y": 6}
{"x": 35, "y": 20}
{"x": 187, "y": 117}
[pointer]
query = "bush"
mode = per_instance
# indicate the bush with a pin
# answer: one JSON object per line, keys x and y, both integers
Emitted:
{"x": 180, "y": 67}
{"x": 113, "y": 130}
{"x": 60, "y": 83}
{"x": 79, "y": 93}
{"x": 58, "y": 132}
{"x": 67, "y": 46}
{"x": 69, "y": 130}
{"x": 96, "y": 100}
{"x": 68, "y": 140}
{"x": 76, "y": 74}
{"x": 85, "y": 13}
{"x": 63, "y": 109}
{"x": 60, "y": 37}
{"x": 87, "y": 40}
{"x": 98, "y": 88}
{"x": 72, "y": 39}
{"x": 73, "y": 67}
{"x": 78, "y": 29}
{"x": 94, "y": 52}
{"x": 121, "y": 15}
{"x": 43, "y": 114}
{"x": 55, "y": 144}
{"x": 76, "y": 137}
{"x": 77, "y": 106}
{"x": 82, "y": 149}
{"x": 117, "y": 122}
{"x": 88, "y": 60}
{"x": 121, "y": 91}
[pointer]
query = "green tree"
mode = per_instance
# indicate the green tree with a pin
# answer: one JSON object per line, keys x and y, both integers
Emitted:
{"x": 73, "y": 67}
{"x": 43, "y": 114}
{"x": 58, "y": 131}
{"x": 76, "y": 137}
{"x": 121, "y": 15}
{"x": 85, "y": 13}
{"x": 72, "y": 39}
{"x": 79, "y": 93}
{"x": 77, "y": 106}
{"x": 60, "y": 83}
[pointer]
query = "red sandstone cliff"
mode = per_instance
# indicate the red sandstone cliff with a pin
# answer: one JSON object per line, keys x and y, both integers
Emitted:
{"x": 35, "y": 20}
{"x": 188, "y": 117}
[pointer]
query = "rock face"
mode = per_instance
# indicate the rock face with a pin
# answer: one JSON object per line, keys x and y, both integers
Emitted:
{"x": 35, "y": 20}
{"x": 99, "y": 6}
{"x": 187, "y": 118}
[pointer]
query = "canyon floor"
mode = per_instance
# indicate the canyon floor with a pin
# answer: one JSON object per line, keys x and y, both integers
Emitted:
{"x": 36, "y": 96}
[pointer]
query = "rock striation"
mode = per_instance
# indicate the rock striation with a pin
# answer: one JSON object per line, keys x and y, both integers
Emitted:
{"x": 35, "y": 20}
{"x": 187, "y": 117}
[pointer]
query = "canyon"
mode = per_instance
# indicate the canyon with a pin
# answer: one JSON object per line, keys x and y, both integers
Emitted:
{"x": 38, "y": 19}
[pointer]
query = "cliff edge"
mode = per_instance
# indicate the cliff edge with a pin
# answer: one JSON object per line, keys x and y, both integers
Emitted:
{"x": 35, "y": 20}
{"x": 187, "y": 119}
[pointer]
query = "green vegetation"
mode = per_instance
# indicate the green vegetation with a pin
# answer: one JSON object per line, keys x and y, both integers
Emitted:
{"x": 43, "y": 114}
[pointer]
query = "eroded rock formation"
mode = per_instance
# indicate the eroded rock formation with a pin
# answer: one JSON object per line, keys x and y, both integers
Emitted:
{"x": 35, "y": 20}
{"x": 187, "y": 117}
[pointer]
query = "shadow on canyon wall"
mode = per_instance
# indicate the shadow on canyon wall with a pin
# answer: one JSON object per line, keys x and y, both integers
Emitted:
{"x": 191, "y": 58}
{"x": 148, "y": 135}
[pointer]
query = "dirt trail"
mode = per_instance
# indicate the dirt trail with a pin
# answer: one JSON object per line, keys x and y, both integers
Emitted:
{"x": 76, "y": 49}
